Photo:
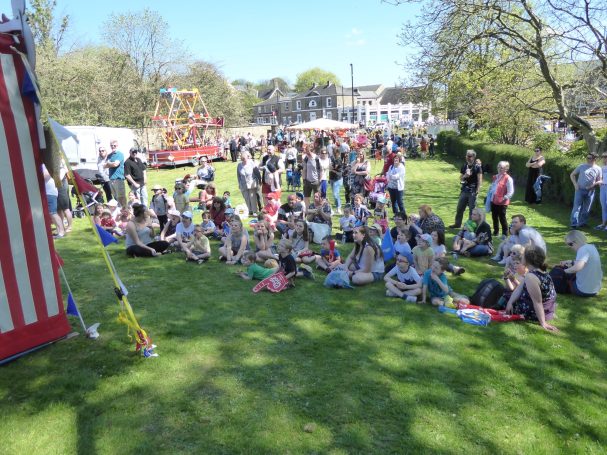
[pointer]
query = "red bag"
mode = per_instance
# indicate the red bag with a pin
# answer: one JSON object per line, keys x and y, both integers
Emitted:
{"x": 496, "y": 315}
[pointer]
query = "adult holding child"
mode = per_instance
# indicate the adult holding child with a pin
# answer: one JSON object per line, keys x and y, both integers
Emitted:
{"x": 365, "y": 263}
{"x": 535, "y": 165}
{"x": 480, "y": 242}
{"x": 502, "y": 190}
{"x": 535, "y": 298}
{"x": 584, "y": 275}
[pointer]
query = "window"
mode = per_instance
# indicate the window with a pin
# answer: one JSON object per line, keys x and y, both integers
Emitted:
{"x": 298, "y": 117}
{"x": 298, "y": 105}
{"x": 284, "y": 120}
{"x": 312, "y": 116}
{"x": 259, "y": 110}
{"x": 312, "y": 103}
{"x": 329, "y": 115}
{"x": 287, "y": 107}
{"x": 329, "y": 102}
{"x": 272, "y": 108}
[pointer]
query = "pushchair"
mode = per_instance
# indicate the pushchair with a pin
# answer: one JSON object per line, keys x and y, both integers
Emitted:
{"x": 90, "y": 199}
{"x": 376, "y": 188}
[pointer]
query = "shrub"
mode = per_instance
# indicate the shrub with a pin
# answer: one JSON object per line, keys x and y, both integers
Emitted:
{"x": 546, "y": 141}
{"x": 558, "y": 165}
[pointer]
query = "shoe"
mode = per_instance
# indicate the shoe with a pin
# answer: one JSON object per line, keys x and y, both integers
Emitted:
{"x": 460, "y": 271}
{"x": 573, "y": 226}
{"x": 600, "y": 227}
{"x": 200, "y": 261}
{"x": 58, "y": 236}
{"x": 411, "y": 298}
{"x": 454, "y": 226}
{"x": 496, "y": 258}
{"x": 307, "y": 271}
{"x": 390, "y": 294}
{"x": 502, "y": 262}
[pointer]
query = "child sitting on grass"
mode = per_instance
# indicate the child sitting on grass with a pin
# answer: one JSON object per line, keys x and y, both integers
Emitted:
{"x": 435, "y": 284}
{"x": 380, "y": 213}
{"x": 286, "y": 261}
{"x": 264, "y": 241}
{"x": 347, "y": 223}
{"x": 108, "y": 224}
{"x": 464, "y": 238}
{"x": 198, "y": 248}
{"x": 360, "y": 211}
{"x": 329, "y": 256}
{"x": 207, "y": 225}
{"x": 423, "y": 255}
{"x": 255, "y": 271}
{"x": 403, "y": 281}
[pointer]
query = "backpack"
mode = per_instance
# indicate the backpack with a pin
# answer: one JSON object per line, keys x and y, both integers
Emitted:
{"x": 488, "y": 294}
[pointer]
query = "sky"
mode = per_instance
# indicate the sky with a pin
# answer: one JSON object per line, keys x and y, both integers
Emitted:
{"x": 260, "y": 40}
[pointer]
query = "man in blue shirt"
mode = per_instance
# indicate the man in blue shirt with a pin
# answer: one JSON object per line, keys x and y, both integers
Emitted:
{"x": 115, "y": 164}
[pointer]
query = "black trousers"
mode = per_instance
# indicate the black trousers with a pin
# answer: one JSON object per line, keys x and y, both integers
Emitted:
{"x": 498, "y": 213}
{"x": 138, "y": 251}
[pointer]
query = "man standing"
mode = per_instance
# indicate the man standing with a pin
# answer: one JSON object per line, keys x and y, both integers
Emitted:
{"x": 135, "y": 173}
{"x": 115, "y": 164}
{"x": 233, "y": 149}
{"x": 310, "y": 173}
{"x": 103, "y": 174}
{"x": 471, "y": 179}
{"x": 585, "y": 178}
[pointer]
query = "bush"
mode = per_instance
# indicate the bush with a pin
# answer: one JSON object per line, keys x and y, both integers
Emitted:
{"x": 580, "y": 148}
{"x": 546, "y": 141}
{"x": 558, "y": 165}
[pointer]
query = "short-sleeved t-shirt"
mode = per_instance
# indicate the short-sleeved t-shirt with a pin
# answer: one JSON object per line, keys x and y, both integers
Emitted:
{"x": 326, "y": 208}
{"x": 587, "y": 174}
{"x": 200, "y": 245}
{"x": 287, "y": 264}
{"x": 116, "y": 173}
{"x": 471, "y": 176}
{"x": 424, "y": 257}
{"x": 404, "y": 249}
{"x": 589, "y": 279}
{"x": 409, "y": 277}
{"x": 433, "y": 288}
{"x": 186, "y": 233}
{"x": 258, "y": 272}
{"x": 326, "y": 254}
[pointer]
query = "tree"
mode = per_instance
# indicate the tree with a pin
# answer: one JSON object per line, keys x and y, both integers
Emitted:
{"x": 47, "y": 33}
{"x": 563, "y": 43}
{"x": 316, "y": 75}
{"x": 269, "y": 84}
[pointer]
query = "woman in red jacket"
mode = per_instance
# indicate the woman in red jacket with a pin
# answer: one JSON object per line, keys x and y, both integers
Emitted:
{"x": 502, "y": 189}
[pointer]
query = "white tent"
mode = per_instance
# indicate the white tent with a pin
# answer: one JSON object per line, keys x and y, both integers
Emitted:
{"x": 323, "y": 124}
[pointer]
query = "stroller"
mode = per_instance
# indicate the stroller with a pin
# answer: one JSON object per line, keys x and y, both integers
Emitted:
{"x": 376, "y": 188}
{"x": 89, "y": 199}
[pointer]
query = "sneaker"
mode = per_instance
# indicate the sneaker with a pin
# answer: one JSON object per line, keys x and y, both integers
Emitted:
{"x": 460, "y": 271}
{"x": 411, "y": 298}
{"x": 58, "y": 236}
{"x": 502, "y": 262}
{"x": 307, "y": 271}
{"x": 496, "y": 258}
{"x": 390, "y": 293}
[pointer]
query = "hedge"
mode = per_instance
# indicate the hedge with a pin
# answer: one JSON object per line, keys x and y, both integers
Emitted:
{"x": 558, "y": 165}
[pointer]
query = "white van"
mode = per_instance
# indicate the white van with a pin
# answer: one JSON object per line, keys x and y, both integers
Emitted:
{"x": 84, "y": 152}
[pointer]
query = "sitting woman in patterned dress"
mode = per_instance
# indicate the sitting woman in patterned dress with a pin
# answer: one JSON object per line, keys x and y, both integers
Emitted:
{"x": 535, "y": 297}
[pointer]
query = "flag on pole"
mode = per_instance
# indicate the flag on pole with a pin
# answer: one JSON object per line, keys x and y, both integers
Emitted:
{"x": 72, "y": 309}
{"x": 106, "y": 237}
{"x": 84, "y": 186}
{"x": 387, "y": 246}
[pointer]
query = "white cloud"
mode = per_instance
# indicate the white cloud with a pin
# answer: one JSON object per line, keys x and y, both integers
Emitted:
{"x": 355, "y": 39}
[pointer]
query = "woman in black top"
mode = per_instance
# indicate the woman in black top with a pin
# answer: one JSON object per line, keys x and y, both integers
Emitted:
{"x": 535, "y": 164}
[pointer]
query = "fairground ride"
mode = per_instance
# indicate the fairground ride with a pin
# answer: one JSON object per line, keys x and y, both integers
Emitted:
{"x": 187, "y": 130}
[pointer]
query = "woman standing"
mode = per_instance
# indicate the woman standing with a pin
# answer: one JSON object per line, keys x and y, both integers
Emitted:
{"x": 361, "y": 169}
{"x": 502, "y": 189}
{"x": 140, "y": 235}
{"x": 365, "y": 263}
{"x": 396, "y": 184}
{"x": 325, "y": 166}
{"x": 535, "y": 164}
{"x": 535, "y": 298}
{"x": 248, "y": 179}
{"x": 336, "y": 172}
{"x": 603, "y": 194}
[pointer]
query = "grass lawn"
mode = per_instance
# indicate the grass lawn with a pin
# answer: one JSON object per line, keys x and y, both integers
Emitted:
{"x": 311, "y": 370}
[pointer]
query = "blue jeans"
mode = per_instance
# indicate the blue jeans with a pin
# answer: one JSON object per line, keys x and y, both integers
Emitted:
{"x": 603, "y": 200}
{"x": 479, "y": 250}
{"x": 582, "y": 202}
{"x": 396, "y": 197}
{"x": 336, "y": 187}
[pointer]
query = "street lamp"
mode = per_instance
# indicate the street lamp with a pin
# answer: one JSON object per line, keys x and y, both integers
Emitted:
{"x": 277, "y": 106}
{"x": 352, "y": 76}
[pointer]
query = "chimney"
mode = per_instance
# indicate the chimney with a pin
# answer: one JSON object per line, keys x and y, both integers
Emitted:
{"x": 314, "y": 85}
{"x": 328, "y": 84}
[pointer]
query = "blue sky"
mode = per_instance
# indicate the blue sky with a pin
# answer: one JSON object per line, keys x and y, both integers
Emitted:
{"x": 260, "y": 40}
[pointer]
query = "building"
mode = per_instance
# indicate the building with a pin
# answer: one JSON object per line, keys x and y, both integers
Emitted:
{"x": 369, "y": 105}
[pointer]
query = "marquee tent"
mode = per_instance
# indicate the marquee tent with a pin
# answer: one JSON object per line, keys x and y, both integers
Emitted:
{"x": 323, "y": 124}
{"x": 31, "y": 303}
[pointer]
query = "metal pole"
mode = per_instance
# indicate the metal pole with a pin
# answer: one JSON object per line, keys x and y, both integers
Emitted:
{"x": 352, "y": 75}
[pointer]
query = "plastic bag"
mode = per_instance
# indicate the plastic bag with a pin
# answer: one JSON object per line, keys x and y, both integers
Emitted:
{"x": 338, "y": 279}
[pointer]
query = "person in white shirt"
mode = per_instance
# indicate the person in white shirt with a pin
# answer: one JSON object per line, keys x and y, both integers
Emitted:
{"x": 584, "y": 274}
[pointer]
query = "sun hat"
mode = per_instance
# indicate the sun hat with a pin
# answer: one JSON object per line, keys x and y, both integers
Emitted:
{"x": 174, "y": 212}
{"x": 187, "y": 214}
{"x": 426, "y": 238}
{"x": 382, "y": 200}
{"x": 229, "y": 211}
{"x": 157, "y": 187}
{"x": 377, "y": 227}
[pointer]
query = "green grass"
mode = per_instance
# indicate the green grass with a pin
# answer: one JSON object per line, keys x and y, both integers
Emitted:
{"x": 246, "y": 373}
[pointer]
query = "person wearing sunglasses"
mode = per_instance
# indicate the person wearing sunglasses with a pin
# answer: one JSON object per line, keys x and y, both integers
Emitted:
{"x": 471, "y": 179}
{"x": 583, "y": 276}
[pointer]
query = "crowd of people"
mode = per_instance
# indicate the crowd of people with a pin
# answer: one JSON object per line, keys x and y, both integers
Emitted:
{"x": 283, "y": 235}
